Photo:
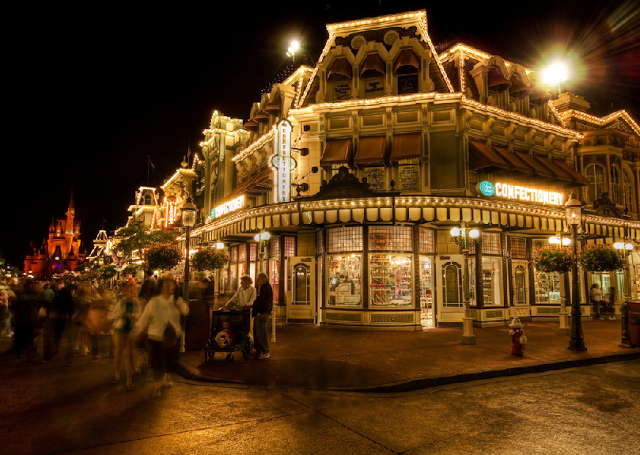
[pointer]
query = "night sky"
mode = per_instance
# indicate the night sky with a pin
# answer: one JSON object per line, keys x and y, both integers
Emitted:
{"x": 92, "y": 92}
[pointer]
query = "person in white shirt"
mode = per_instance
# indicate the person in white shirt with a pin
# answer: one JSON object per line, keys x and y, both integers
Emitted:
{"x": 163, "y": 311}
{"x": 244, "y": 296}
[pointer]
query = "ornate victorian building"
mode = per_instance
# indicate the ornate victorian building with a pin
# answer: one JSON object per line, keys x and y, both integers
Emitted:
{"x": 348, "y": 178}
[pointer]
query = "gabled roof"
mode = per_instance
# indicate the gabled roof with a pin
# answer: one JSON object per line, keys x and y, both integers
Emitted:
{"x": 414, "y": 23}
{"x": 604, "y": 122}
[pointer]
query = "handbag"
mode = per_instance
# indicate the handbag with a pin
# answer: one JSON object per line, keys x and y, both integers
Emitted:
{"x": 170, "y": 337}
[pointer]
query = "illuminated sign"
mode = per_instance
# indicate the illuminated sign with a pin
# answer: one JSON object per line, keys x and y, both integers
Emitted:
{"x": 487, "y": 188}
{"x": 282, "y": 163}
{"x": 227, "y": 207}
{"x": 521, "y": 193}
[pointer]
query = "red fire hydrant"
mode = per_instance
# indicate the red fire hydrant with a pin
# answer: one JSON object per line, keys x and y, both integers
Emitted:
{"x": 518, "y": 338}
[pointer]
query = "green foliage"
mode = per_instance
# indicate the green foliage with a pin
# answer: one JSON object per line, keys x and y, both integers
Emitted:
{"x": 163, "y": 257}
{"x": 134, "y": 238}
{"x": 132, "y": 269}
{"x": 81, "y": 268}
{"x": 552, "y": 259}
{"x": 209, "y": 259}
{"x": 600, "y": 258}
{"x": 107, "y": 272}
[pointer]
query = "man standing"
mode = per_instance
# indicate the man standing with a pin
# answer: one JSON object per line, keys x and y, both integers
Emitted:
{"x": 244, "y": 296}
{"x": 261, "y": 311}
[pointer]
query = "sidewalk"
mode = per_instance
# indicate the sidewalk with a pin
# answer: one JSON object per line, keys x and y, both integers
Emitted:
{"x": 363, "y": 361}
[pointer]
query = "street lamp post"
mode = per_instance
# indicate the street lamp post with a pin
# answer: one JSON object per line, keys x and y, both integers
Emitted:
{"x": 188, "y": 221}
{"x": 624, "y": 310}
{"x": 563, "y": 328}
{"x": 573, "y": 212}
{"x": 463, "y": 236}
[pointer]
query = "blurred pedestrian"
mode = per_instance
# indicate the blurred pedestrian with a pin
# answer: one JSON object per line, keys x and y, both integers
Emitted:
{"x": 5, "y": 315}
{"x": 595, "y": 295}
{"x": 24, "y": 315}
{"x": 124, "y": 316}
{"x": 262, "y": 308}
{"x": 161, "y": 317}
{"x": 62, "y": 310}
{"x": 609, "y": 302}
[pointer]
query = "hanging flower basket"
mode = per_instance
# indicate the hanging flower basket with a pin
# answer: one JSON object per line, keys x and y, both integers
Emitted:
{"x": 600, "y": 258}
{"x": 209, "y": 259}
{"x": 552, "y": 259}
{"x": 163, "y": 257}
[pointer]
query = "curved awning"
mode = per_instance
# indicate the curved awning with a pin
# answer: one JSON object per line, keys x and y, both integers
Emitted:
{"x": 251, "y": 125}
{"x": 341, "y": 67}
{"x": 371, "y": 150}
{"x": 406, "y": 147}
{"x": 406, "y": 58}
{"x": 516, "y": 163}
{"x": 373, "y": 64}
{"x": 495, "y": 78}
{"x": 337, "y": 151}
{"x": 262, "y": 116}
{"x": 539, "y": 169}
{"x": 482, "y": 157}
{"x": 578, "y": 179}
{"x": 538, "y": 94}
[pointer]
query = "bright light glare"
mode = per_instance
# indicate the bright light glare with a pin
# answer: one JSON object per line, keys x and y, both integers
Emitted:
{"x": 474, "y": 233}
{"x": 455, "y": 232}
{"x": 554, "y": 240}
{"x": 566, "y": 241}
{"x": 555, "y": 73}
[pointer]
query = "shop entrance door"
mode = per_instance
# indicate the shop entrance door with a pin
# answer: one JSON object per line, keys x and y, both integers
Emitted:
{"x": 520, "y": 281}
{"x": 301, "y": 289}
{"x": 450, "y": 285}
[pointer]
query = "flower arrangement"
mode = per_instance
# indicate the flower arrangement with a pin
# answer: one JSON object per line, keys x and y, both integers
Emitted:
{"x": 552, "y": 259}
{"x": 209, "y": 259}
{"x": 600, "y": 258}
{"x": 163, "y": 256}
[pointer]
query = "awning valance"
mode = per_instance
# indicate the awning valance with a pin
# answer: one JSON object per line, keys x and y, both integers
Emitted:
{"x": 406, "y": 58}
{"x": 340, "y": 67}
{"x": 371, "y": 150}
{"x": 481, "y": 156}
{"x": 539, "y": 95}
{"x": 534, "y": 164}
{"x": 262, "y": 116}
{"x": 578, "y": 179}
{"x": 406, "y": 147}
{"x": 495, "y": 78}
{"x": 558, "y": 173}
{"x": 273, "y": 107}
{"x": 510, "y": 157}
{"x": 251, "y": 125}
{"x": 373, "y": 64}
{"x": 337, "y": 151}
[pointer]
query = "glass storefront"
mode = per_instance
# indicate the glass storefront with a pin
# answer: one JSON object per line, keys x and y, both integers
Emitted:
{"x": 491, "y": 279}
{"x": 426, "y": 291}
{"x": 390, "y": 276}
{"x": 344, "y": 272}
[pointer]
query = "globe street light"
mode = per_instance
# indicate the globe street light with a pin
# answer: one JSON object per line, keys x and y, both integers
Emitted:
{"x": 573, "y": 212}
{"x": 555, "y": 73}
{"x": 294, "y": 46}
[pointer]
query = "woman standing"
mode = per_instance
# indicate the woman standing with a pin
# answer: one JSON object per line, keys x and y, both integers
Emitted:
{"x": 162, "y": 316}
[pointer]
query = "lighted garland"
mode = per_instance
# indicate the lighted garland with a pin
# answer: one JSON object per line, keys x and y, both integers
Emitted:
{"x": 600, "y": 258}
{"x": 552, "y": 259}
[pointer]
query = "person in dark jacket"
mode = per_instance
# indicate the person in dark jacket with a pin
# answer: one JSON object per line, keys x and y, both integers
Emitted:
{"x": 24, "y": 311}
{"x": 62, "y": 309}
{"x": 261, "y": 312}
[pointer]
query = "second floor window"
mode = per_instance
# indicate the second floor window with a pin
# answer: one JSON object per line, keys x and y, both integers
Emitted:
{"x": 595, "y": 174}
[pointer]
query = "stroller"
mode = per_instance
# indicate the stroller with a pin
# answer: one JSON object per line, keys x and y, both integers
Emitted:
{"x": 229, "y": 333}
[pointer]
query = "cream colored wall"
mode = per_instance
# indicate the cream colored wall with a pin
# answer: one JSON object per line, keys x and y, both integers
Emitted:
{"x": 444, "y": 245}
{"x": 307, "y": 244}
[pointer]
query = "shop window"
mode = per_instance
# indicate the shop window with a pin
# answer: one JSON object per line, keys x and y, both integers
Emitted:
{"x": 426, "y": 291}
{"x": 289, "y": 247}
{"x": 444, "y": 160}
{"x": 627, "y": 188}
{"x": 234, "y": 255}
{"x": 233, "y": 277}
{"x": 390, "y": 276}
{"x": 242, "y": 253}
{"x": 344, "y": 287}
{"x": 547, "y": 287}
{"x": 616, "y": 194}
{"x": 452, "y": 285}
{"x": 344, "y": 239}
{"x": 518, "y": 248}
{"x": 490, "y": 287}
{"x": 274, "y": 248}
{"x": 427, "y": 241}
{"x": 595, "y": 174}
{"x": 490, "y": 244}
{"x": 390, "y": 238}
{"x": 274, "y": 279}
{"x": 252, "y": 252}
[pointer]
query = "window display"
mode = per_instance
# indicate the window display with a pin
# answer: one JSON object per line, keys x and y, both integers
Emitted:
{"x": 390, "y": 277}
{"x": 344, "y": 279}
{"x": 491, "y": 273}
{"x": 547, "y": 287}
{"x": 426, "y": 293}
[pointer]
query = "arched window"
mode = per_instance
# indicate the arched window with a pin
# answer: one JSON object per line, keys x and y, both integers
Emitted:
{"x": 372, "y": 75}
{"x": 629, "y": 194}
{"x": 595, "y": 174}
{"x": 616, "y": 193}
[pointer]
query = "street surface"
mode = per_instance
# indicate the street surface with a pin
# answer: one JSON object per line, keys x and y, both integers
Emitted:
{"x": 55, "y": 409}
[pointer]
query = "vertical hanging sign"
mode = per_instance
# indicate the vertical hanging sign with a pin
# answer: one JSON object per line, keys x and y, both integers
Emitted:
{"x": 282, "y": 163}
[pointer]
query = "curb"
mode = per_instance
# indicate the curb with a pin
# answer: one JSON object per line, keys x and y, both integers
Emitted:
{"x": 188, "y": 371}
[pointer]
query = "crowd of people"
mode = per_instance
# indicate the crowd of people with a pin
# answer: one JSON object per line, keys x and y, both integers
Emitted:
{"x": 143, "y": 327}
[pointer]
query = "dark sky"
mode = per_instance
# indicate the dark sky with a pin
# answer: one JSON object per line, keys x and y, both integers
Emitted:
{"x": 92, "y": 92}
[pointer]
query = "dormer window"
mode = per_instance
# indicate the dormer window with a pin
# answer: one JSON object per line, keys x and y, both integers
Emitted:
{"x": 406, "y": 68}
{"x": 498, "y": 85}
{"x": 372, "y": 75}
{"x": 340, "y": 77}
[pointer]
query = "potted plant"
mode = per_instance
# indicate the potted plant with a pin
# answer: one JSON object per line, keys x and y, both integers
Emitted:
{"x": 163, "y": 257}
{"x": 552, "y": 259}
{"x": 600, "y": 258}
{"x": 209, "y": 259}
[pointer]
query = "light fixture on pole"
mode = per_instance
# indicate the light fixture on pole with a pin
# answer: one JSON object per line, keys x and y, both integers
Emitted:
{"x": 573, "y": 212}
{"x": 563, "y": 326}
{"x": 623, "y": 249}
{"x": 188, "y": 221}
{"x": 261, "y": 238}
{"x": 294, "y": 46}
{"x": 464, "y": 236}
{"x": 555, "y": 73}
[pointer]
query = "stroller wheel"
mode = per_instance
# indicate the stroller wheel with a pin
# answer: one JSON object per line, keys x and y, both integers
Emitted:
{"x": 229, "y": 358}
